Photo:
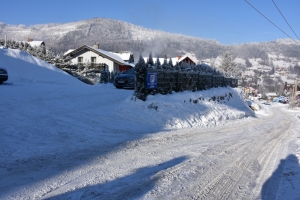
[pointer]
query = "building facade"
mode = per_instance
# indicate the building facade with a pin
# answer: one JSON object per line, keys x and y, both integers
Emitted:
{"x": 98, "y": 58}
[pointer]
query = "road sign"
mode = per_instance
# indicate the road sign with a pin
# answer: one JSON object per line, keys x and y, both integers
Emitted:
{"x": 151, "y": 80}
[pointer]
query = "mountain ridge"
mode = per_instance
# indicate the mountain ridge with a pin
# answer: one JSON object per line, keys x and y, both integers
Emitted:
{"x": 117, "y": 35}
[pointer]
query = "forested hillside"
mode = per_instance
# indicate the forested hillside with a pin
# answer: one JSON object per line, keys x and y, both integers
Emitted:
{"x": 115, "y": 35}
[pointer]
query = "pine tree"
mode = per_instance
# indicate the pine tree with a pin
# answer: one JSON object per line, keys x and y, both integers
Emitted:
{"x": 26, "y": 45}
{"x": 165, "y": 64}
{"x": 22, "y": 46}
{"x": 140, "y": 88}
{"x": 157, "y": 63}
{"x": 177, "y": 67}
{"x": 228, "y": 67}
{"x": 41, "y": 51}
{"x": 16, "y": 45}
{"x": 131, "y": 58}
{"x": 49, "y": 55}
{"x": 150, "y": 60}
{"x": 170, "y": 63}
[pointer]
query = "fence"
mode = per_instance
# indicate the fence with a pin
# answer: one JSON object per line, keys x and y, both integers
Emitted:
{"x": 176, "y": 80}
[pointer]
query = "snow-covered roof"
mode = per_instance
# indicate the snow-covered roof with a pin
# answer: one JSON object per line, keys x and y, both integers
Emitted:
{"x": 190, "y": 57}
{"x": 36, "y": 43}
{"x": 124, "y": 54}
{"x": 70, "y": 50}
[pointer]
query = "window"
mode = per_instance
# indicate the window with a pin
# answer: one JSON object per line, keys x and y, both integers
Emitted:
{"x": 93, "y": 59}
{"x": 80, "y": 59}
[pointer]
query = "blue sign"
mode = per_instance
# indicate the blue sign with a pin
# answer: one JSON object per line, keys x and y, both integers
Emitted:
{"x": 151, "y": 80}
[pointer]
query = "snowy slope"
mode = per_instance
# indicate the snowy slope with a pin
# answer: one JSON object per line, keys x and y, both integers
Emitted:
{"x": 63, "y": 139}
{"x": 23, "y": 67}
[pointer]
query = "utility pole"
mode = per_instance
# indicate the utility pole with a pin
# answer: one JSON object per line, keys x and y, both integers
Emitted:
{"x": 294, "y": 95}
{"x": 296, "y": 89}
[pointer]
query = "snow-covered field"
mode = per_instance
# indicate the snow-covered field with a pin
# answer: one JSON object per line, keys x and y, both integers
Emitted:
{"x": 63, "y": 139}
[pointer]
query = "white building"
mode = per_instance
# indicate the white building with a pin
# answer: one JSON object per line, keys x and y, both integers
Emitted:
{"x": 98, "y": 57}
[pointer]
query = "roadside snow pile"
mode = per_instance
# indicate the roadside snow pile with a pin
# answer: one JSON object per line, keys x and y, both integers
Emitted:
{"x": 191, "y": 109}
{"x": 23, "y": 67}
{"x": 252, "y": 105}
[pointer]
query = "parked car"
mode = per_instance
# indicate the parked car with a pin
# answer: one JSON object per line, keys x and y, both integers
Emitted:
{"x": 3, "y": 75}
{"x": 125, "y": 79}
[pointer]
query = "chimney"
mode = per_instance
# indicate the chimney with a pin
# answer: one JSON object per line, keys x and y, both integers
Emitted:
{"x": 30, "y": 39}
{"x": 179, "y": 57}
{"x": 96, "y": 46}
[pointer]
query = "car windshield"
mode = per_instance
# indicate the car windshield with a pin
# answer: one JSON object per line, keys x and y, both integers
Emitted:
{"x": 130, "y": 71}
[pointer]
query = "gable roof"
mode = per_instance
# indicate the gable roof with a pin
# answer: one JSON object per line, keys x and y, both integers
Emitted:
{"x": 188, "y": 56}
{"x": 111, "y": 56}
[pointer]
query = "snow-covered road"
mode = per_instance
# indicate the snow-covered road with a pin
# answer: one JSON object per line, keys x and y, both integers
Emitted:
{"x": 62, "y": 139}
{"x": 219, "y": 163}
{"x": 225, "y": 162}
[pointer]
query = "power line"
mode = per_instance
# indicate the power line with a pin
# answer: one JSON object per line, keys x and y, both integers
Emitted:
{"x": 270, "y": 21}
{"x": 285, "y": 19}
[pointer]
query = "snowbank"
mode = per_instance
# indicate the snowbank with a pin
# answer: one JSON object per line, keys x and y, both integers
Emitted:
{"x": 252, "y": 105}
{"x": 25, "y": 68}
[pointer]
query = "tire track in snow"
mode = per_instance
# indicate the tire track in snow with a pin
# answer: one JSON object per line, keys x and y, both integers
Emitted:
{"x": 221, "y": 163}
{"x": 219, "y": 187}
{"x": 227, "y": 182}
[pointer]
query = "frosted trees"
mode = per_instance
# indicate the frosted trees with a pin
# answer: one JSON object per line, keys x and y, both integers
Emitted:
{"x": 228, "y": 67}
{"x": 165, "y": 63}
{"x": 171, "y": 63}
{"x": 140, "y": 70}
{"x": 150, "y": 60}
{"x": 157, "y": 63}
{"x": 131, "y": 59}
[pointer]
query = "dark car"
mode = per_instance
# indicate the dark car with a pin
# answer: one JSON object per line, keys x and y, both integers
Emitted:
{"x": 125, "y": 79}
{"x": 3, "y": 75}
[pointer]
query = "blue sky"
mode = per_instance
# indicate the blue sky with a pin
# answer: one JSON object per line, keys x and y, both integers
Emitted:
{"x": 227, "y": 21}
